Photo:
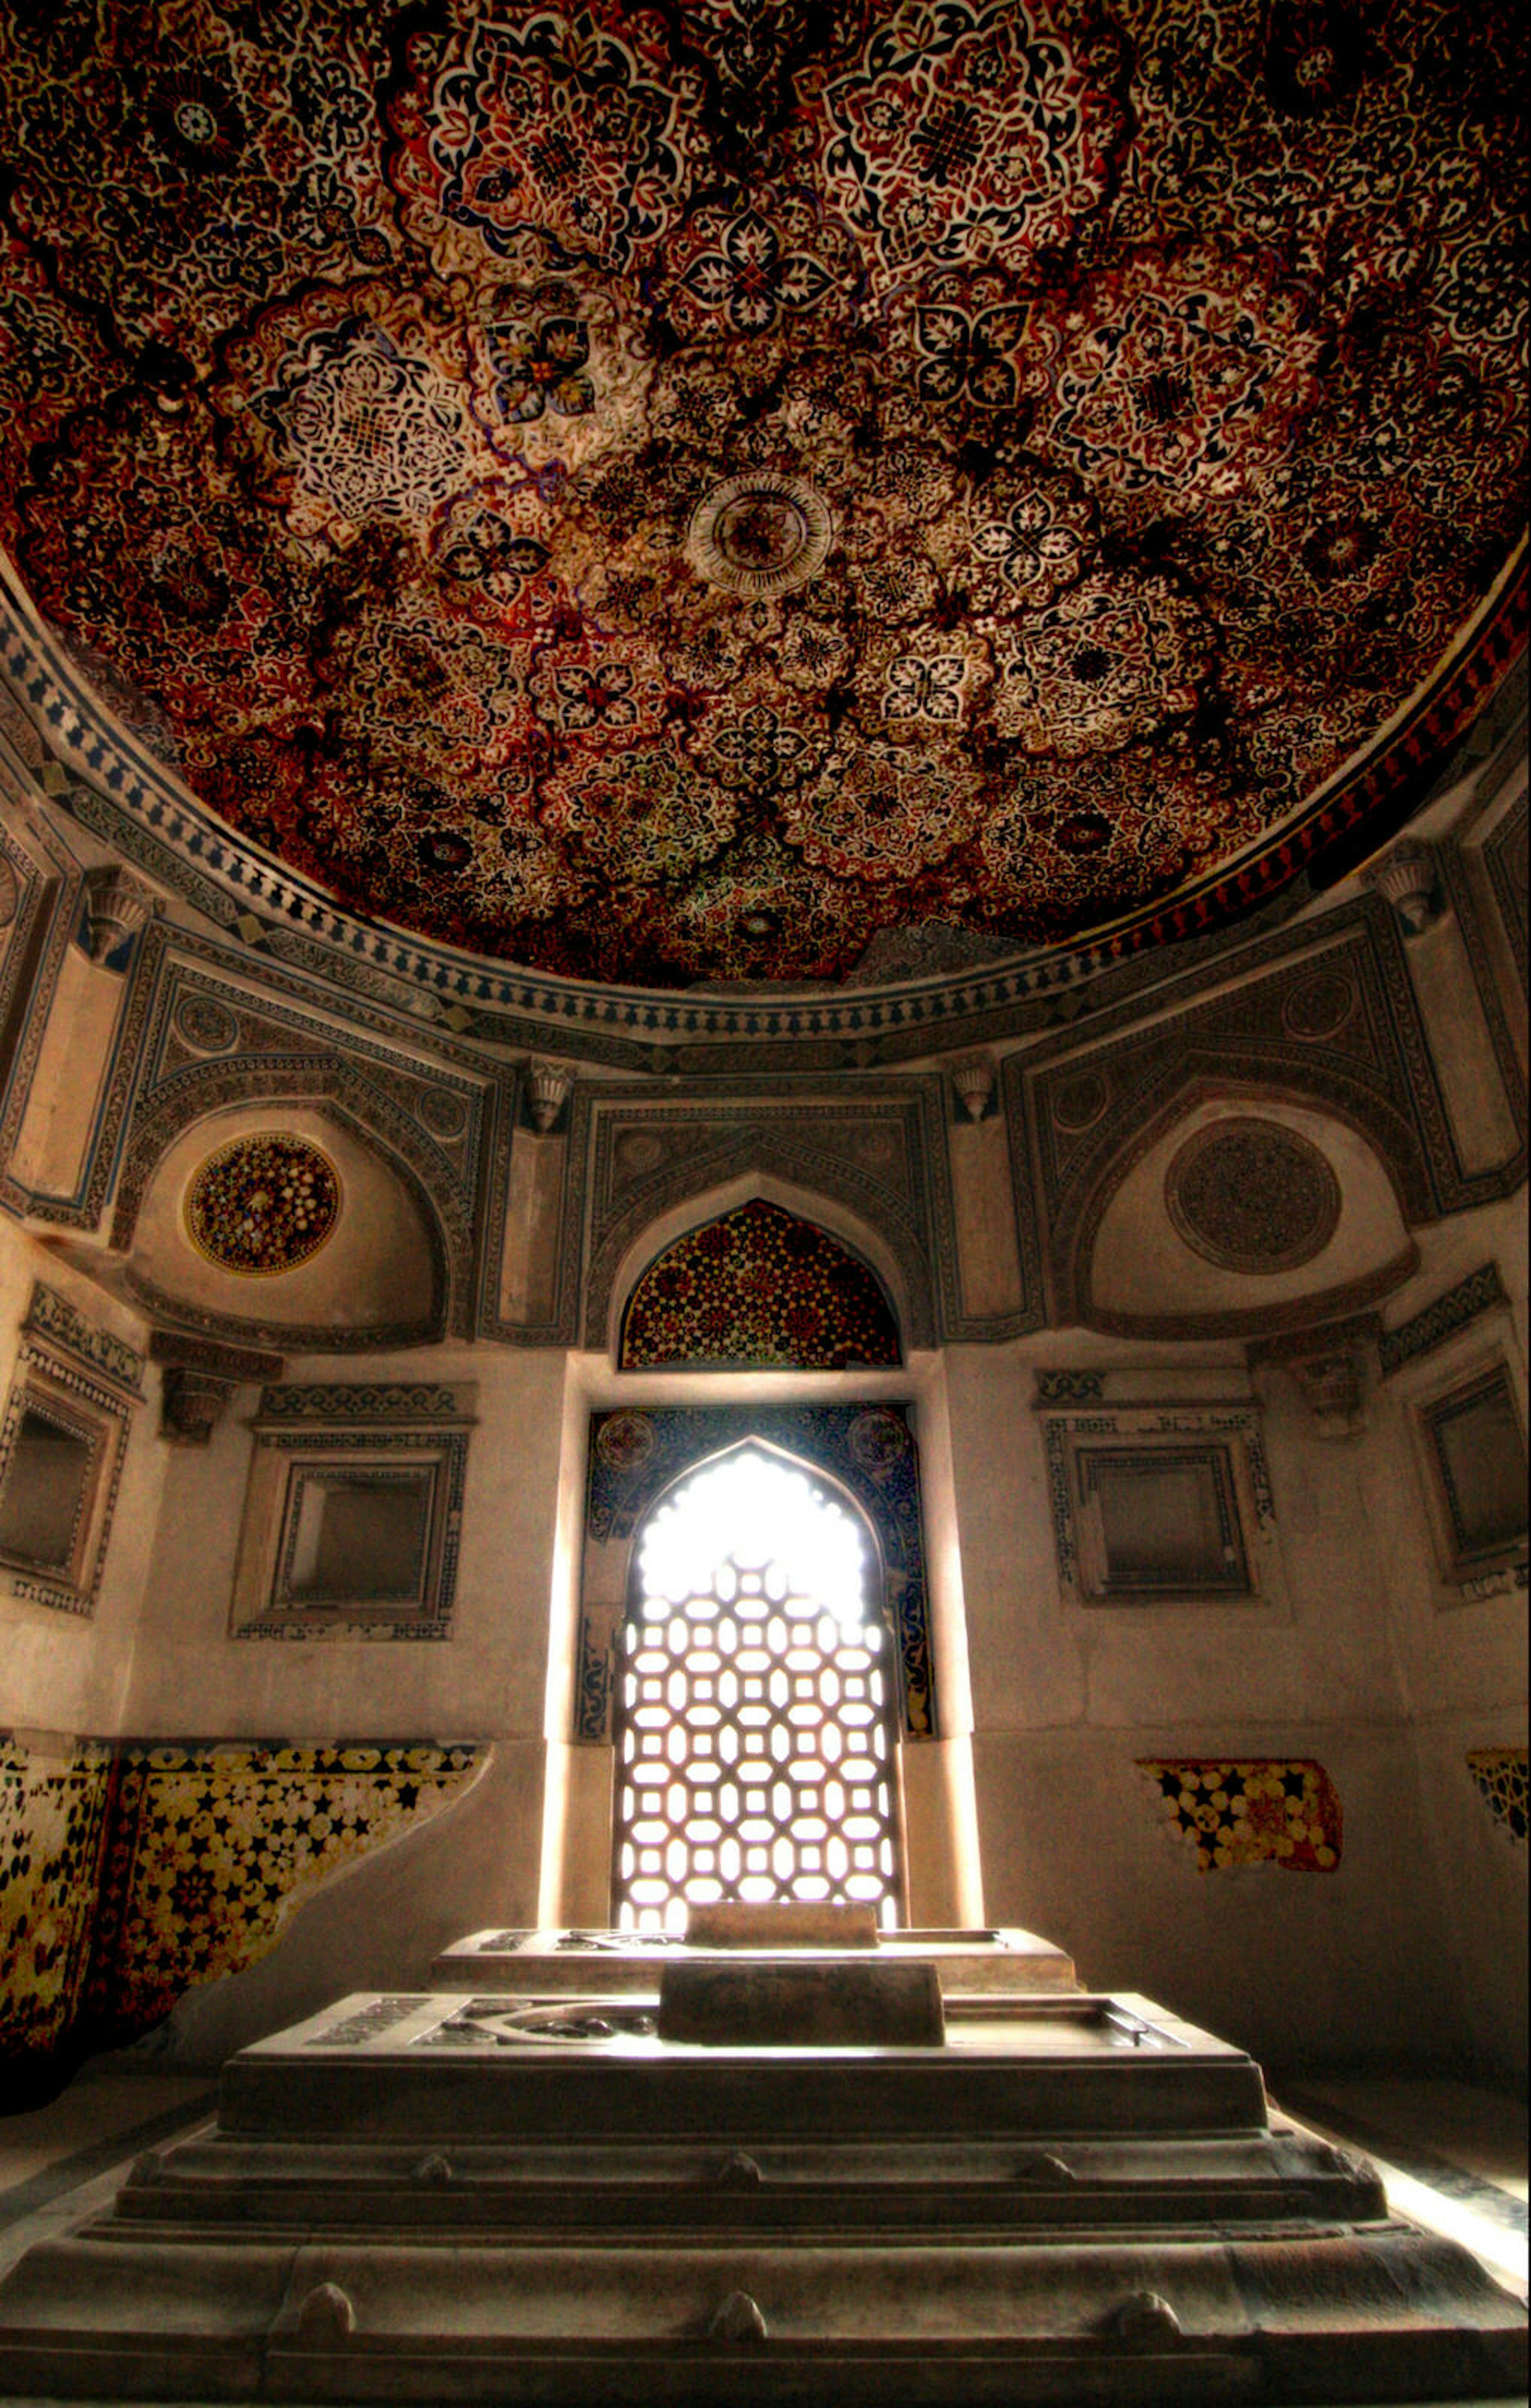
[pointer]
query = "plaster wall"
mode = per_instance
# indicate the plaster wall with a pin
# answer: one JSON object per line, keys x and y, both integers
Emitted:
{"x": 1402, "y": 1949}
{"x": 1041, "y": 1818}
{"x": 985, "y": 1215}
{"x": 1030, "y": 1806}
{"x": 60, "y": 1117}
{"x": 1462, "y": 1662}
{"x": 485, "y": 1681}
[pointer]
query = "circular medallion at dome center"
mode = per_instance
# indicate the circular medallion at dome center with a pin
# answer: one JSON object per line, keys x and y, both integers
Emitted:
{"x": 760, "y": 534}
{"x": 263, "y": 1204}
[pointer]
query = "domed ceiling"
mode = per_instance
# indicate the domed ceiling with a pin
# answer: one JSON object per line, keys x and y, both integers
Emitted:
{"x": 685, "y": 492}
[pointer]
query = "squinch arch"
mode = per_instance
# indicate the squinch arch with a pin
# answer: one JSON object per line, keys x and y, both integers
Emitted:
{"x": 1147, "y": 1111}
{"x": 206, "y": 1087}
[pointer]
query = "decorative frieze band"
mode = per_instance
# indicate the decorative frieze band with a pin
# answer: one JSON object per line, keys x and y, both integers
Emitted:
{"x": 1479, "y": 1291}
{"x": 52, "y": 1318}
{"x": 335, "y": 1400}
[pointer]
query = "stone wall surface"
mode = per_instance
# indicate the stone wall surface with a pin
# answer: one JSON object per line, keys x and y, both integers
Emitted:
{"x": 1055, "y": 1269}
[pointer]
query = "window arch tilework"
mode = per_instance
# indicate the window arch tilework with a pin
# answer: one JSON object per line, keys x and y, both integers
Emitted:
{"x": 869, "y": 1449}
{"x": 758, "y": 1287}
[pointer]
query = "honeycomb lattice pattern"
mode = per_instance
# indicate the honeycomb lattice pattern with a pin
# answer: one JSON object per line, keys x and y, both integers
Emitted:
{"x": 754, "y": 1750}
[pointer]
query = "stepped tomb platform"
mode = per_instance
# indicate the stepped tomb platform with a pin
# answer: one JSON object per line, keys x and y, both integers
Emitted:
{"x": 786, "y": 2170}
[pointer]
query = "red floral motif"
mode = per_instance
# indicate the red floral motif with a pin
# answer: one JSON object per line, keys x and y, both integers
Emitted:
{"x": 1105, "y": 667}
{"x": 885, "y": 811}
{"x": 1191, "y": 372}
{"x": 555, "y": 126}
{"x": 749, "y": 269}
{"x": 1030, "y": 539}
{"x": 638, "y": 821}
{"x": 971, "y": 131}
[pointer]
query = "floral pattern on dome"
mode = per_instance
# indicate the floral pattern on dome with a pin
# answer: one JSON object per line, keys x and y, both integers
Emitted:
{"x": 762, "y": 1288}
{"x": 677, "y": 493}
{"x": 263, "y": 1204}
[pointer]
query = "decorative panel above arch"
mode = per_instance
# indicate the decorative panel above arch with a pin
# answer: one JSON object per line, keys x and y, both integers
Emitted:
{"x": 758, "y": 1288}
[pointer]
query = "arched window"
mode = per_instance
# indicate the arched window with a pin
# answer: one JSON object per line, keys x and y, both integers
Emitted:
{"x": 753, "y": 1723}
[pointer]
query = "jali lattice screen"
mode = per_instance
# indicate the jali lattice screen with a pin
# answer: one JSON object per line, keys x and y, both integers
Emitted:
{"x": 755, "y": 1723}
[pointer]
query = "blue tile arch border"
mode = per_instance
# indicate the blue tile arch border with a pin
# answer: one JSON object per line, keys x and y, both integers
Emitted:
{"x": 869, "y": 1449}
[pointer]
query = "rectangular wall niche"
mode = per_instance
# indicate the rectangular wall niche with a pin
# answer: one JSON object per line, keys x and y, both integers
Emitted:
{"x": 60, "y": 1451}
{"x": 1465, "y": 1413}
{"x": 353, "y": 1513}
{"x": 1479, "y": 1465}
{"x": 1155, "y": 1501}
{"x": 1160, "y": 1521}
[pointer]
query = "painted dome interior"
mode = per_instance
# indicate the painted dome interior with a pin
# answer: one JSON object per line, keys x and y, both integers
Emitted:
{"x": 694, "y": 492}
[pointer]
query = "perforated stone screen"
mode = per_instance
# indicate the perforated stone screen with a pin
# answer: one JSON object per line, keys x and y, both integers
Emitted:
{"x": 754, "y": 1743}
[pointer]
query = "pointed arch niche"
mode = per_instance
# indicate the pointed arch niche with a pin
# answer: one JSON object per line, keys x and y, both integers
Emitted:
{"x": 833, "y": 1394}
{"x": 762, "y": 1288}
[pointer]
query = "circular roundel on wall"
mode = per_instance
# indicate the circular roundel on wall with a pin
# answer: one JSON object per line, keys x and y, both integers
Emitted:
{"x": 1319, "y": 1006}
{"x": 263, "y": 1204}
{"x": 1251, "y": 1196}
{"x": 205, "y": 1023}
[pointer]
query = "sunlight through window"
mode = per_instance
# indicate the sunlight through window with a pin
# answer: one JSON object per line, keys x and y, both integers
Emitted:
{"x": 755, "y": 1753}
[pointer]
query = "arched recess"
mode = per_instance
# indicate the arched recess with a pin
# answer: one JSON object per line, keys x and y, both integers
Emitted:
{"x": 343, "y": 1095}
{"x": 758, "y": 1288}
{"x": 836, "y": 1201}
{"x": 773, "y": 1634}
{"x": 873, "y": 1449}
{"x": 1146, "y": 1115}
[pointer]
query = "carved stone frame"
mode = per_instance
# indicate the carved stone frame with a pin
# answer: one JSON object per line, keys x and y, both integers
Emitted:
{"x": 386, "y": 1432}
{"x": 1465, "y": 1577}
{"x": 1081, "y": 1424}
{"x": 84, "y": 1381}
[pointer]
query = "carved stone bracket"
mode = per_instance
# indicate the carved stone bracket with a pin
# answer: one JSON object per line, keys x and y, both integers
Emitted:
{"x": 191, "y": 1404}
{"x": 1409, "y": 878}
{"x": 1329, "y": 1366}
{"x": 973, "y": 1080}
{"x": 117, "y": 905}
{"x": 548, "y": 1085}
{"x": 199, "y": 1379}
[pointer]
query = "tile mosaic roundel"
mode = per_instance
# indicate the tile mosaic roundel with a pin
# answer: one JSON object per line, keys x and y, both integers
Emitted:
{"x": 263, "y": 1204}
